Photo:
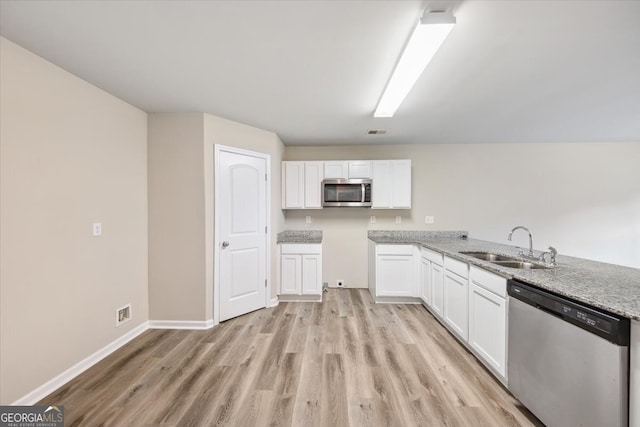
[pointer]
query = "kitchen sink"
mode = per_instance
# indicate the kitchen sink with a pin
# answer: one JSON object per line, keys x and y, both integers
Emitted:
{"x": 524, "y": 265}
{"x": 505, "y": 261}
{"x": 487, "y": 256}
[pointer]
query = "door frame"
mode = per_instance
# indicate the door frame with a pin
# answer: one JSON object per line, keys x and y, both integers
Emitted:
{"x": 218, "y": 148}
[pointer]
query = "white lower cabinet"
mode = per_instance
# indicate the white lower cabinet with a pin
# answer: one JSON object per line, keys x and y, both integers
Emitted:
{"x": 437, "y": 283}
{"x": 432, "y": 280}
{"x": 456, "y": 297}
{"x": 394, "y": 272}
{"x": 301, "y": 270}
{"x": 291, "y": 274}
{"x": 425, "y": 281}
{"x": 394, "y": 276}
{"x": 488, "y": 319}
{"x": 469, "y": 301}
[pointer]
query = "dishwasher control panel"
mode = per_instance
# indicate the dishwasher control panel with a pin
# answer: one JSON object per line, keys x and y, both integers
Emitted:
{"x": 599, "y": 322}
{"x": 586, "y": 318}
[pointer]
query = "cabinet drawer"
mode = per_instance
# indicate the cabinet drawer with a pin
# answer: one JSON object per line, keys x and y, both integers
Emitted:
{"x": 489, "y": 281}
{"x": 432, "y": 256}
{"x": 300, "y": 248}
{"x": 458, "y": 267}
{"x": 395, "y": 249}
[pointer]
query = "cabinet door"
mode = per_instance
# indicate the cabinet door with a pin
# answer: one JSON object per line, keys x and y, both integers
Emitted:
{"x": 359, "y": 169}
{"x": 437, "y": 286}
{"x": 425, "y": 278}
{"x": 394, "y": 276}
{"x": 291, "y": 274}
{"x": 293, "y": 185}
{"x": 401, "y": 181}
{"x": 313, "y": 176}
{"x": 311, "y": 274}
{"x": 488, "y": 327}
{"x": 456, "y": 304}
{"x": 336, "y": 170}
{"x": 381, "y": 184}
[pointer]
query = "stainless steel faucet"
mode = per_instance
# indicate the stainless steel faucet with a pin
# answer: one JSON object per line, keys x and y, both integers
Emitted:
{"x": 530, "y": 238}
{"x": 552, "y": 256}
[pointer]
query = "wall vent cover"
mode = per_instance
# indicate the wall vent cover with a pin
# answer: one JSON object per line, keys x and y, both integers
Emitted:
{"x": 123, "y": 314}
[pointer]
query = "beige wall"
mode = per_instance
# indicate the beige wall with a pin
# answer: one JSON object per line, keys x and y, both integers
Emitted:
{"x": 584, "y": 199}
{"x": 71, "y": 155}
{"x": 181, "y": 206}
{"x": 176, "y": 217}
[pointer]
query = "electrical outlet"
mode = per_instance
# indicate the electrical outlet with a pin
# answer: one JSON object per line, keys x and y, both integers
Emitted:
{"x": 373, "y": 219}
{"x": 340, "y": 283}
{"x": 308, "y": 219}
{"x": 97, "y": 228}
{"x": 398, "y": 219}
{"x": 429, "y": 219}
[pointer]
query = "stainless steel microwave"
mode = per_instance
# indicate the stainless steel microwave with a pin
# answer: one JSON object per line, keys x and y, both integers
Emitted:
{"x": 346, "y": 193}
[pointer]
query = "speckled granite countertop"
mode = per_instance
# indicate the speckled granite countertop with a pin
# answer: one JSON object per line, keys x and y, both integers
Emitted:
{"x": 607, "y": 286}
{"x": 300, "y": 236}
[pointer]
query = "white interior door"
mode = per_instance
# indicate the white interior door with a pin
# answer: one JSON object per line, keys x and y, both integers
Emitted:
{"x": 242, "y": 233}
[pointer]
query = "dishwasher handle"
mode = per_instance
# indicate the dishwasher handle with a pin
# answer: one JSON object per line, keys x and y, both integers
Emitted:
{"x": 549, "y": 311}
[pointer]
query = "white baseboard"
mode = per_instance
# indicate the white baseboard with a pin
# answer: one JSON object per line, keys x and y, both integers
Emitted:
{"x": 274, "y": 301}
{"x": 52, "y": 385}
{"x": 301, "y": 298}
{"x": 181, "y": 324}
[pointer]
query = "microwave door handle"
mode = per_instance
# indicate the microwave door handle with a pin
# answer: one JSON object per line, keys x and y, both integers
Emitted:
{"x": 363, "y": 193}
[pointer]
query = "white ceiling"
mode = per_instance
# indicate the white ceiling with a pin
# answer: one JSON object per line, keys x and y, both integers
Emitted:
{"x": 313, "y": 71}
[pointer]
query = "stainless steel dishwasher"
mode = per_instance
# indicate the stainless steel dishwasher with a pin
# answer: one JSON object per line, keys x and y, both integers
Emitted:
{"x": 567, "y": 363}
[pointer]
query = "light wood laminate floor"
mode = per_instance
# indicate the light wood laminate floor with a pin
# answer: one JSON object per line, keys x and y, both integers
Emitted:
{"x": 344, "y": 362}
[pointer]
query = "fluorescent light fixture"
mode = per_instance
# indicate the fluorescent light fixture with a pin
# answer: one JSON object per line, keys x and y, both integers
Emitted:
{"x": 425, "y": 41}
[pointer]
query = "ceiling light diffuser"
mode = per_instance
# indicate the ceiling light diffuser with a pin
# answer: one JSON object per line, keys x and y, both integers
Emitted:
{"x": 432, "y": 29}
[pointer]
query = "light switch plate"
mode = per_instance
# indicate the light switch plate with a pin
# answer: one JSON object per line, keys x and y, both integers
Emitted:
{"x": 308, "y": 219}
{"x": 97, "y": 228}
{"x": 373, "y": 219}
{"x": 398, "y": 219}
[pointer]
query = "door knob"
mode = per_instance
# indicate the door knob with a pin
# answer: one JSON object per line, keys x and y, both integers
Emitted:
{"x": 225, "y": 244}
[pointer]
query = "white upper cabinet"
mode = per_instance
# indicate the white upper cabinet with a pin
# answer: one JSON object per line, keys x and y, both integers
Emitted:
{"x": 390, "y": 181}
{"x": 302, "y": 185}
{"x": 292, "y": 185}
{"x": 359, "y": 169}
{"x": 401, "y": 184}
{"x": 391, "y": 184}
{"x": 336, "y": 169}
{"x": 344, "y": 169}
{"x": 313, "y": 176}
{"x": 381, "y": 185}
